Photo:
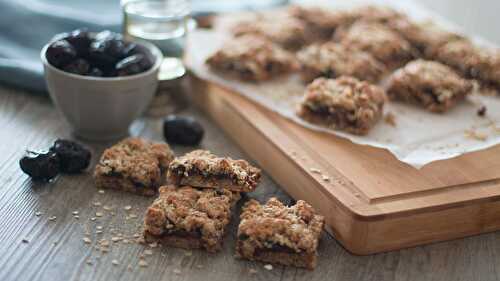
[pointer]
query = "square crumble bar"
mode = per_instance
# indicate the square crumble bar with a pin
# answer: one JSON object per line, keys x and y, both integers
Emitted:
{"x": 429, "y": 84}
{"x": 189, "y": 218}
{"x": 332, "y": 60}
{"x": 252, "y": 58}
{"x": 282, "y": 29}
{"x": 201, "y": 168}
{"x": 345, "y": 103}
{"x": 279, "y": 234}
{"x": 134, "y": 165}
{"x": 383, "y": 43}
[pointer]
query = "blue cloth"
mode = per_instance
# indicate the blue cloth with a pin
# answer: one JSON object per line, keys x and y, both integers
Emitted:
{"x": 27, "y": 25}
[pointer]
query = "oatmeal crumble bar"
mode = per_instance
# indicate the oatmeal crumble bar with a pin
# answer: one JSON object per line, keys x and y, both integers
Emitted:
{"x": 286, "y": 31}
{"x": 189, "y": 218}
{"x": 344, "y": 103}
{"x": 201, "y": 168}
{"x": 471, "y": 61}
{"x": 276, "y": 233}
{"x": 380, "y": 41}
{"x": 430, "y": 84}
{"x": 252, "y": 58}
{"x": 332, "y": 60}
{"x": 133, "y": 165}
{"x": 424, "y": 37}
{"x": 321, "y": 23}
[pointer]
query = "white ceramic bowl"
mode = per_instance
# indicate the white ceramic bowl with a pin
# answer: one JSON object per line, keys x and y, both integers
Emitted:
{"x": 102, "y": 108}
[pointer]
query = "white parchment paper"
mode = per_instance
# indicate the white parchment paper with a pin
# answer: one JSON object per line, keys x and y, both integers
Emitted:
{"x": 418, "y": 138}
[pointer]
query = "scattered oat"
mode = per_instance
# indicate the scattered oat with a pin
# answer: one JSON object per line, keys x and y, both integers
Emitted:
{"x": 104, "y": 243}
{"x": 107, "y": 208}
{"x": 116, "y": 238}
{"x": 153, "y": 245}
{"x": 101, "y": 191}
{"x": 481, "y": 112}
{"x": 98, "y": 214}
{"x": 38, "y": 214}
{"x": 87, "y": 240}
{"x": 115, "y": 262}
{"x": 132, "y": 216}
{"x": 315, "y": 170}
{"x": 143, "y": 263}
{"x": 325, "y": 178}
{"x": 200, "y": 266}
{"x": 127, "y": 208}
{"x": 148, "y": 252}
{"x": 76, "y": 217}
{"x": 97, "y": 204}
{"x": 177, "y": 271}
{"x": 390, "y": 119}
{"x": 52, "y": 218}
{"x": 75, "y": 213}
{"x": 99, "y": 227}
{"x": 268, "y": 267}
{"x": 252, "y": 271}
{"x": 25, "y": 240}
{"x": 475, "y": 135}
{"x": 98, "y": 232}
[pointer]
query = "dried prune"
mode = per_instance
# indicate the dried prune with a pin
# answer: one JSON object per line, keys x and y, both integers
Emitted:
{"x": 96, "y": 72}
{"x": 40, "y": 166}
{"x": 133, "y": 65}
{"x": 73, "y": 157}
{"x": 182, "y": 130}
{"x": 61, "y": 53}
{"x": 78, "y": 66}
{"x": 80, "y": 39}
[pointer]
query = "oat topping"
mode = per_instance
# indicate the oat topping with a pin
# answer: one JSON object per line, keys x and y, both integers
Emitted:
{"x": 430, "y": 84}
{"x": 380, "y": 41}
{"x": 320, "y": 22}
{"x": 252, "y": 58}
{"x": 190, "y": 211}
{"x": 380, "y": 14}
{"x": 135, "y": 163}
{"x": 204, "y": 169}
{"x": 284, "y": 30}
{"x": 344, "y": 103}
{"x": 332, "y": 60}
{"x": 297, "y": 228}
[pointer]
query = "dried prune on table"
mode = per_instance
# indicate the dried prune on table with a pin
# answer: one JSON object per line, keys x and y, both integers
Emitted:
{"x": 78, "y": 66}
{"x": 182, "y": 130}
{"x": 60, "y": 53}
{"x": 133, "y": 65}
{"x": 73, "y": 157}
{"x": 40, "y": 166}
{"x": 96, "y": 72}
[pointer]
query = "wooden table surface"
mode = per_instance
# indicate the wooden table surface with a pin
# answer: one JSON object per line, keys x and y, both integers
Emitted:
{"x": 42, "y": 239}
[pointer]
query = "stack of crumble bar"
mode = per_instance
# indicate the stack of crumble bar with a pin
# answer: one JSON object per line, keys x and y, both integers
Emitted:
{"x": 196, "y": 195}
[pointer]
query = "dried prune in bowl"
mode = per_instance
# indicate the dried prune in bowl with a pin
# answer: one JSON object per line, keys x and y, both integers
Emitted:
{"x": 78, "y": 66}
{"x": 60, "y": 53}
{"x": 182, "y": 130}
{"x": 133, "y": 65}
{"x": 40, "y": 166}
{"x": 73, "y": 157}
{"x": 80, "y": 39}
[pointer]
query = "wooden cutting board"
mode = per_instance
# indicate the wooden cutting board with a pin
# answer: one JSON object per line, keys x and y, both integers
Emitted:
{"x": 372, "y": 202}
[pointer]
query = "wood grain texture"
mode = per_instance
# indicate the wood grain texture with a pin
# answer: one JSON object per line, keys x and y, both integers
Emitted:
{"x": 56, "y": 252}
{"x": 372, "y": 201}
